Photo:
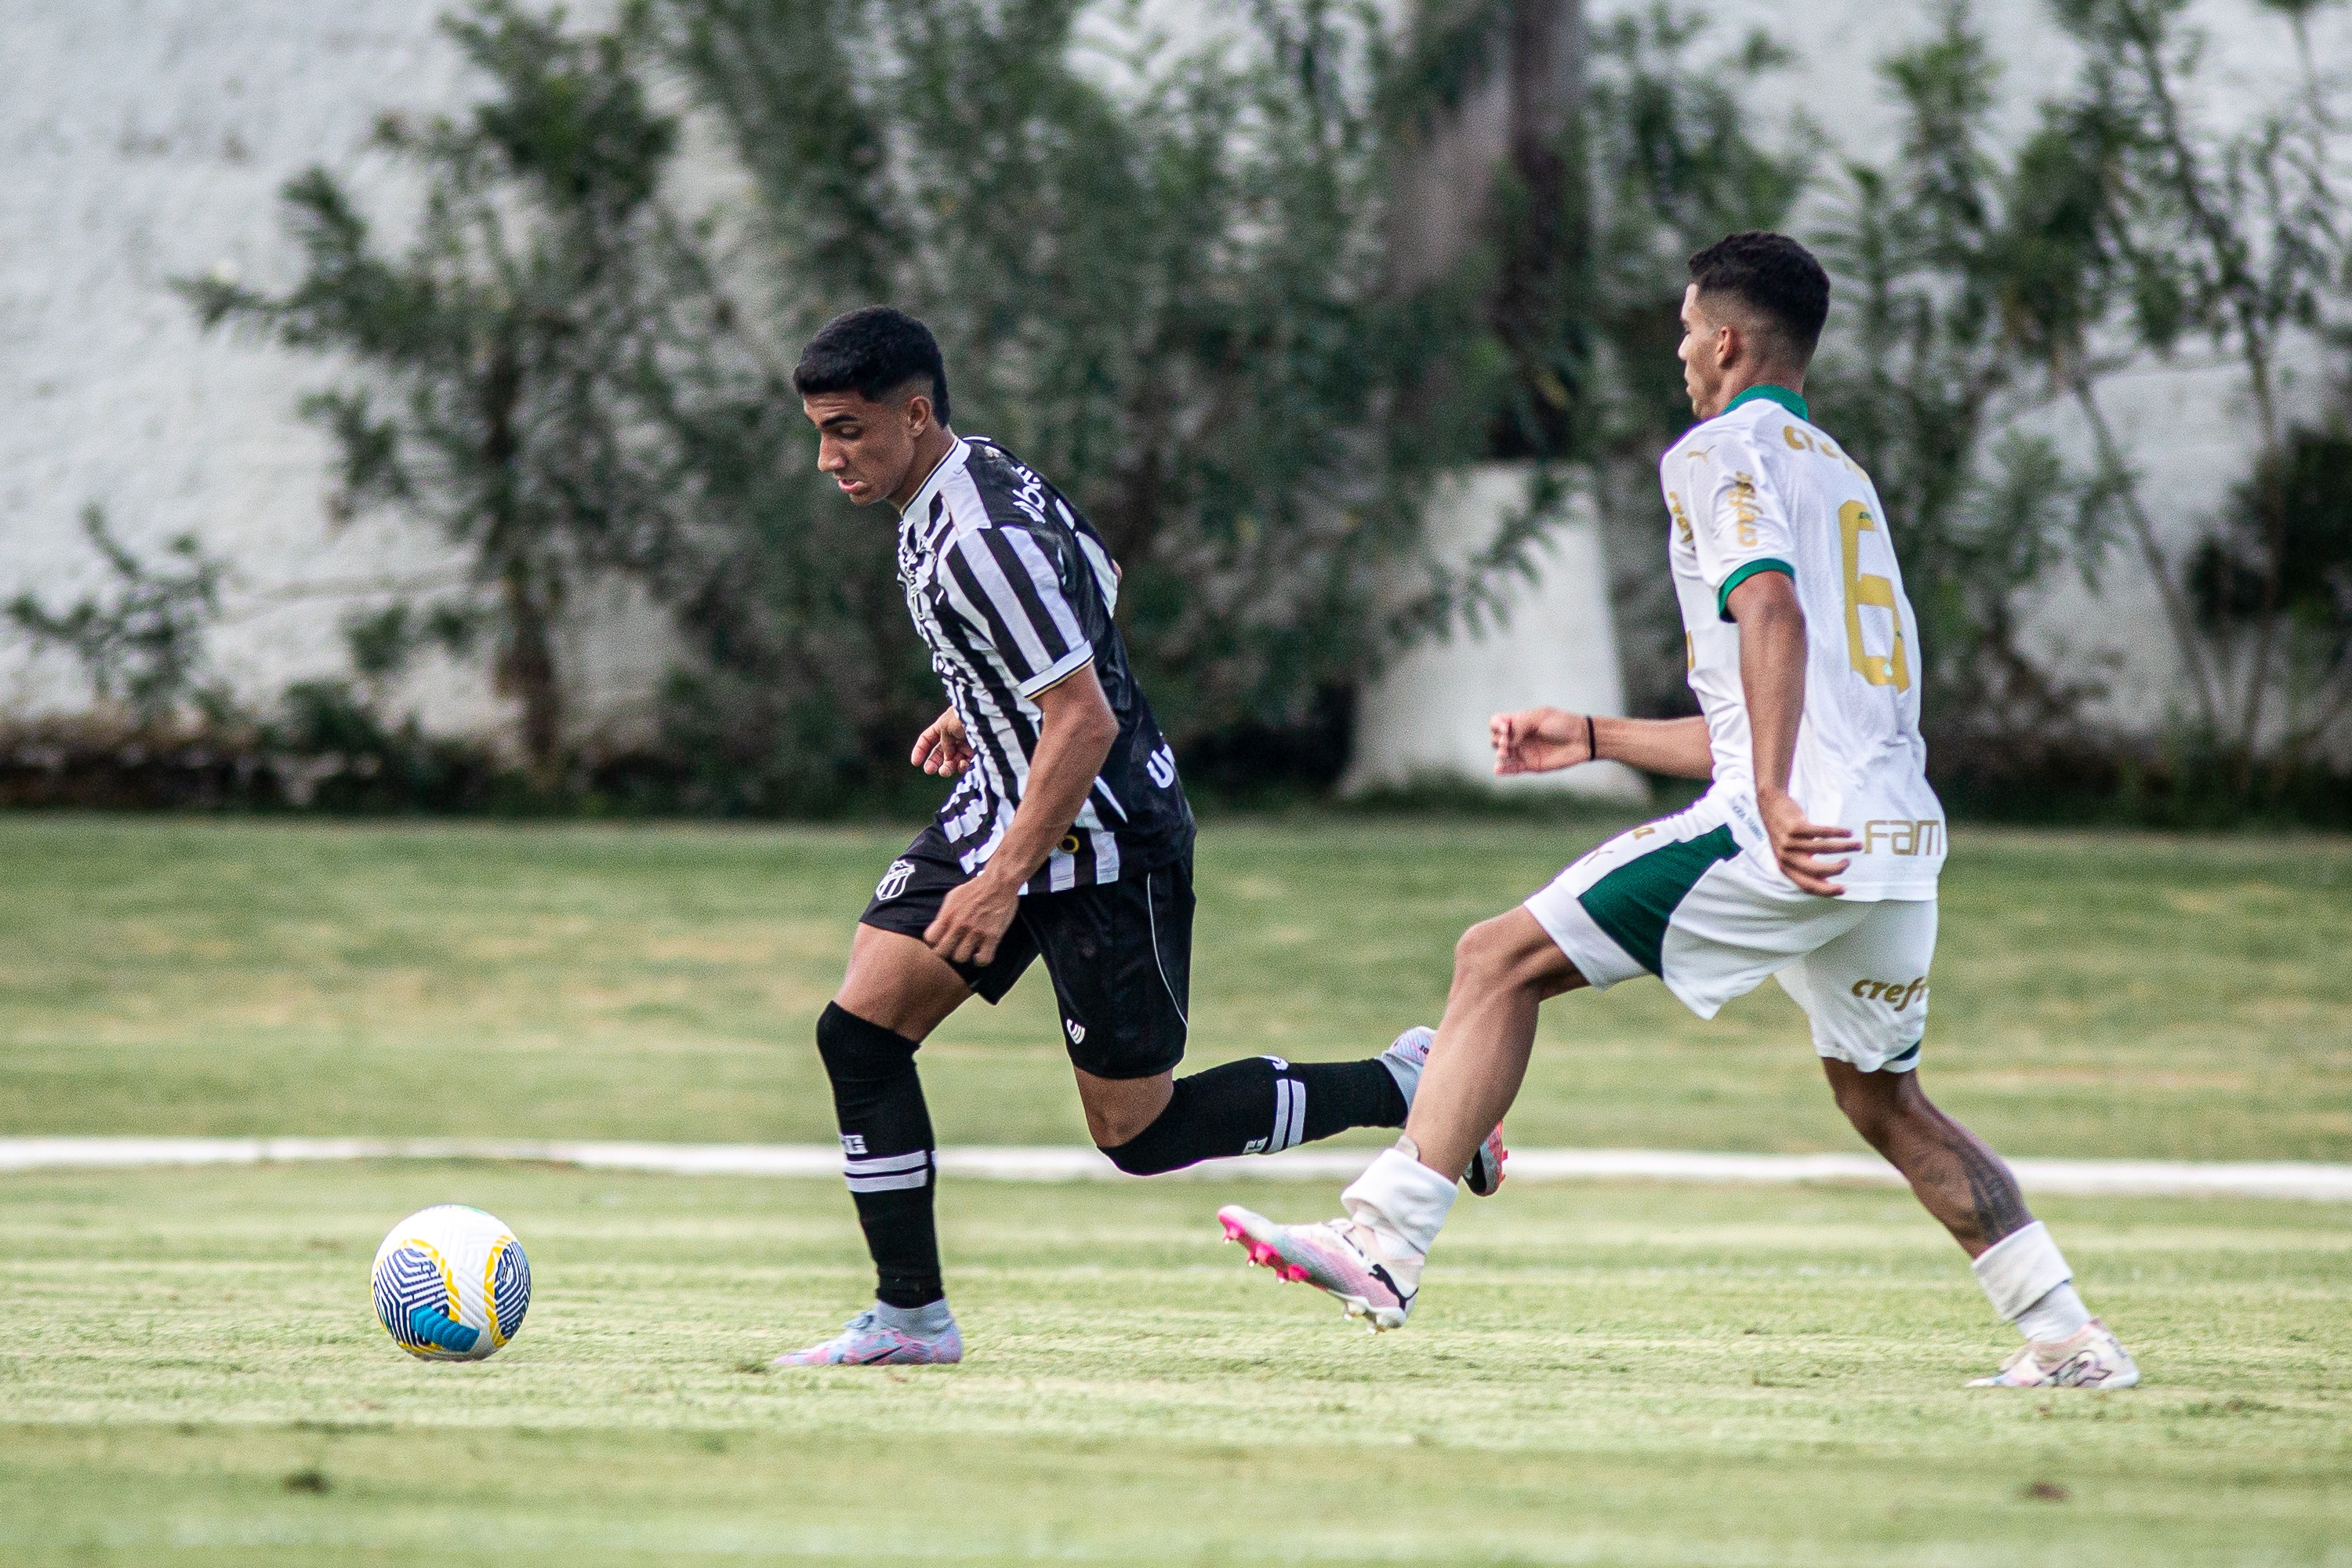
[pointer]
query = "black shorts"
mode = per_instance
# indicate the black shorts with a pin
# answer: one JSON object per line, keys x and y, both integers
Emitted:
{"x": 1120, "y": 953}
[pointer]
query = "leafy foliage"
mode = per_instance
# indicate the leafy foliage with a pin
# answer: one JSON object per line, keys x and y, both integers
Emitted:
{"x": 1156, "y": 276}
{"x": 144, "y": 645}
{"x": 516, "y": 362}
{"x": 1673, "y": 167}
{"x": 1962, "y": 273}
{"x": 2237, "y": 237}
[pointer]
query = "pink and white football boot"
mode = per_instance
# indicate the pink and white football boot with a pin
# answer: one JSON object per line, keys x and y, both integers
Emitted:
{"x": 1340, "y": 1257}
{"x": 2092, "y": 1357}
{"x": 869, "y": 1342}
{"x": 1404, "y": 1058}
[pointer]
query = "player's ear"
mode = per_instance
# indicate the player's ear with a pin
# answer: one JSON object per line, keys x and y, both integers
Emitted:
{"x": 918, "y": 414}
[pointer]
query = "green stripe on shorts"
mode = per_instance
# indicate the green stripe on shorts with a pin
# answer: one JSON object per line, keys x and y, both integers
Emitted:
{"x": 1634, "y": 902}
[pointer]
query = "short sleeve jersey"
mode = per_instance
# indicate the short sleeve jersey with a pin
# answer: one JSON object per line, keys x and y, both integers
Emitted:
{"x": 1760, "y": 489}
{"x": 1013, "y": 592}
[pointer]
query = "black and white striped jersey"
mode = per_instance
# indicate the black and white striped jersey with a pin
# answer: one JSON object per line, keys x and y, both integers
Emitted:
{"x": 1013, "y": 590}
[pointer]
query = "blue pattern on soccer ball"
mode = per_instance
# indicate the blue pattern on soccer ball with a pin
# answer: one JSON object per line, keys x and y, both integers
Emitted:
{"x": 429, "y": 1326}
{"x": 510, "y": 1289}
{"x": 407, "y": 1282}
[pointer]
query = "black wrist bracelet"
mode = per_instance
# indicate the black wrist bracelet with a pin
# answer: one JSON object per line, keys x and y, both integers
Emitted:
{"x": 1592, "y": 741}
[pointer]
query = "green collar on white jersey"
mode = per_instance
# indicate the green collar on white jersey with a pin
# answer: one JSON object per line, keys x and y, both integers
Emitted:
{"x": 1792, "y": 402}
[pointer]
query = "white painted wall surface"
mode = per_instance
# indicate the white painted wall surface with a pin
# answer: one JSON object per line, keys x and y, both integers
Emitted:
{"x": 1552, "y": 644}
{"x": 146, "y": 140}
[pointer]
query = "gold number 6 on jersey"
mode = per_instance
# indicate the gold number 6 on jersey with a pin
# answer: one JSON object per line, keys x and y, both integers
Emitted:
{"x": 1866, "y": 588}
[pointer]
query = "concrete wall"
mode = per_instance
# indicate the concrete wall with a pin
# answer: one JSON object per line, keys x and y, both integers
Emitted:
{"x": 147, "y": 139}
{"x": 1550, "y": 643}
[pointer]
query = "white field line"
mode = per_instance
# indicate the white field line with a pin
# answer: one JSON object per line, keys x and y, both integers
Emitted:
{"x": 2138, "y": 1178}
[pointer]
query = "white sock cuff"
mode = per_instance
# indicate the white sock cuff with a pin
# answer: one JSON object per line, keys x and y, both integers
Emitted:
{"x": 1400, "y": 1194}
{"x": 2020, "y": 1268}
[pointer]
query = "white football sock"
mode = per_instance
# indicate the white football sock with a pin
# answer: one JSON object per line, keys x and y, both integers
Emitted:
{"x": 2024, "y": 1270}
{"x": 1401, "y": 1199}
{"x": 928, "y": 1322}
{"x": 2060, "y": 1315}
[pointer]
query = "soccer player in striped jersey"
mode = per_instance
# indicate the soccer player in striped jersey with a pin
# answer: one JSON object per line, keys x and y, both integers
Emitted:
{"x": 1802, "y": 653}
{"x": 1066, "y": 838}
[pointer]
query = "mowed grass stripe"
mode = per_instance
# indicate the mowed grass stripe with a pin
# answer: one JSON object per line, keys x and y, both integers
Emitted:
{"x": 2094, "y": 996}
{"x": 1601, "y": 1373}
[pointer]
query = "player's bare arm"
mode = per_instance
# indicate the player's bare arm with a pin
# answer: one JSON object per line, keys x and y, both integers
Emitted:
{"x": 1546, "y": 740}
{"x": 1772, "y": 673}
{"x": 1074, "y": 737}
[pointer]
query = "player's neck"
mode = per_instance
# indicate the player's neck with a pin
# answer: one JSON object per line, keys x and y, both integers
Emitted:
{"x": 1740, "y": 383}
{"x": 931, "y": 449}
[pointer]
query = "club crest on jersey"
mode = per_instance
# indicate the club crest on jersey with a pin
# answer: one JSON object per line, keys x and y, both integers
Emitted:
{"x": 894, "y": 880}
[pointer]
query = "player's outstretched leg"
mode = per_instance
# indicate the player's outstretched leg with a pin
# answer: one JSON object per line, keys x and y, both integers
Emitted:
{"x": 1262, "y": 1105}
{"x": 1504, "y": 969}
{"x": 1968, "y": 1188}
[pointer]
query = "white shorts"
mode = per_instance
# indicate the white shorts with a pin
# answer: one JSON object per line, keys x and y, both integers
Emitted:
{"x": 1678, "y": 899}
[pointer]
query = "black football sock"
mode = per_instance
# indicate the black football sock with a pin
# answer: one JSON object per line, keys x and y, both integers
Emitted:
{"x": 886, "y": 1135}
{"x": 1262, "y": 1105}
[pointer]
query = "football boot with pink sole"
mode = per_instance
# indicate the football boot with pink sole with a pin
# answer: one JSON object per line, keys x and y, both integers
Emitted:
{"x": 1339, "y": 1256}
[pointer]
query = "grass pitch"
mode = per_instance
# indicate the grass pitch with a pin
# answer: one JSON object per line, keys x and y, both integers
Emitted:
{"x": 189, "y": 1373}
{"x": 2093, "y": 994}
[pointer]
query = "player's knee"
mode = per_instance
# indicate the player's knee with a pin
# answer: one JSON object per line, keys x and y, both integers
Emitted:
{"x": 1488, "y": 954}
{"x": 1163, "y": 1145}
{"x": 1875, "y": 1103}
{"x": 1150, "y": 1153}
{"x": 857, "y": 1051}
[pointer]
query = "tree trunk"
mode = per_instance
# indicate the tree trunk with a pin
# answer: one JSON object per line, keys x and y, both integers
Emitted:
{"x": 1446, "y": 184}
{"x": 1518, "y": 123}
{"x": 527, "y": 673}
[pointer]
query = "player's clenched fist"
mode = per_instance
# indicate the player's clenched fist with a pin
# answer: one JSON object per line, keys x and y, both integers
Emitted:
{"x": 1539, "y": 741}
{"x": 943, "y": 748}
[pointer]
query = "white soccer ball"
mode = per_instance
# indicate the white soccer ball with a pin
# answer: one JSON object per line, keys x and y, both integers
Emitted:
{"x": 451, "y": 1283}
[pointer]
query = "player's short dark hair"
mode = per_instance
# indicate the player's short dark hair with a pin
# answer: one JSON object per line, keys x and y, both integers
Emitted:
{"x": 1773, "y": 276}
{"x": 872, "y": 351}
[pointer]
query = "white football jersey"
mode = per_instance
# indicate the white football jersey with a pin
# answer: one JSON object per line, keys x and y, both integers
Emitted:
{"x": 1759, "y": 489}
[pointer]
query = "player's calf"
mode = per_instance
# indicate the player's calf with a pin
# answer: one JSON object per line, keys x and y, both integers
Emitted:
{"x": 1261, "y": 1105}
{"x": 1405, "y": 1058}
{"x": 1961, "y": 1181}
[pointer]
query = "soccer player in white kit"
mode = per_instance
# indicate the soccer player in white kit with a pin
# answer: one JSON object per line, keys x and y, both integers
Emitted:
{"x": 1803, "y": 654}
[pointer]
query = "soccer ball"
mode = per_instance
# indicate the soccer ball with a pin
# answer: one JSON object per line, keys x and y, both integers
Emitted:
{"x": 451, "y": 1284}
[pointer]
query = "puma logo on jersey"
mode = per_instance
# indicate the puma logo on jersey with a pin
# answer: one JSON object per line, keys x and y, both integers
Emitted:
{"x": 894, "y": 880}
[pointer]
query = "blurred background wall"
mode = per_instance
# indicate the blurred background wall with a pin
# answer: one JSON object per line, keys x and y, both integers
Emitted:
{"x": 150, "y": 139}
